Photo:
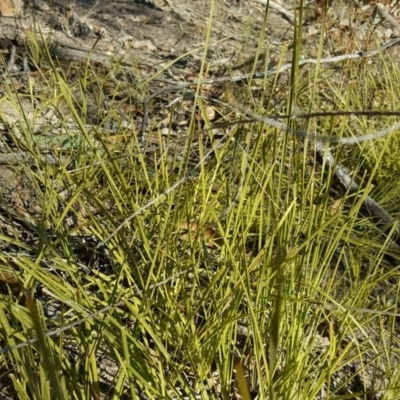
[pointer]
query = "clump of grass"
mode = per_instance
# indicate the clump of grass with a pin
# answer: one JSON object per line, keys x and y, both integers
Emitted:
{"x": 266, "y": 265}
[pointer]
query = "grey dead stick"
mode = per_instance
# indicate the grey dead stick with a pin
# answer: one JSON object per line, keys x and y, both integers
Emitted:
{"x": 369, "y": 207}
{"x": 25, "y": 158}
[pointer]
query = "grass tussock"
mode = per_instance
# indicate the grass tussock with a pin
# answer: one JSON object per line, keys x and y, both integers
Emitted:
{"x": 218, "y": 246}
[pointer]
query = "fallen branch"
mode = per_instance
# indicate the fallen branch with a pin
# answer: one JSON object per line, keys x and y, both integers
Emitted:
{"x": 92, "y": 315}
{"x": 304, "y": 134}
{"x": 369, "y": 207}
{"x": 317, "y": 114}
{"x": 259, "y": 75}
{"x": 287, "y": 15}
{"x": 380, "y": 9}
{"x": 65, "y": 48}
{"x": 24, "y": 158}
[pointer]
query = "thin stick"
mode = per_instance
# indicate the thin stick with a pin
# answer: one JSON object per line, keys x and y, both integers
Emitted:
{"x": 380, "y": 9}
{"x": 259, "y": 75}
{"x": 92, "y": 315}
{"x": 303, "y": 134}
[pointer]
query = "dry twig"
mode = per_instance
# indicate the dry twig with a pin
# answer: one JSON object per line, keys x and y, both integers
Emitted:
{"x": 258, "y": 75}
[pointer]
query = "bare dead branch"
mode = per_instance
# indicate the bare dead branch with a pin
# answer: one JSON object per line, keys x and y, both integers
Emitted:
{"x": 259, "y": 75}
{"x": 380, "y": 9}
{"x": 92, "y": 315}
{"x": 303, "y": 134}
{"x": 287, "y": 15}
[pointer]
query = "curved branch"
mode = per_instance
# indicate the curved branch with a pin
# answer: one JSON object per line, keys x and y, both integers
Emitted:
{"x": 369, "y": 207}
